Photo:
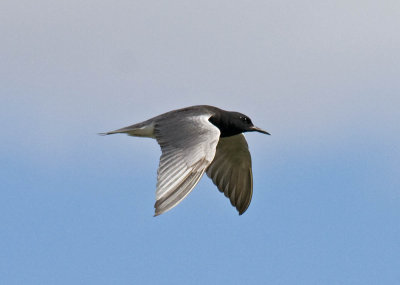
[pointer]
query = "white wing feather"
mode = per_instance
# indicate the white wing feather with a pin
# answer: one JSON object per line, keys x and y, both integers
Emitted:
{"x": 188, "y": 145}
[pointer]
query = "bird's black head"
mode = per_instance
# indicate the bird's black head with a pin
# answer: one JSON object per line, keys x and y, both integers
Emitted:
{"x": 233, "y": 123}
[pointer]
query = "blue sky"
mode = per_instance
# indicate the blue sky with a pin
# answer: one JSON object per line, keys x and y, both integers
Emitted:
{"x": 323, "y": 78}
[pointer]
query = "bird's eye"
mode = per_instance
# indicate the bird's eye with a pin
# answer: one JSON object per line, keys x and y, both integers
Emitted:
{"x": 244, "y": 119}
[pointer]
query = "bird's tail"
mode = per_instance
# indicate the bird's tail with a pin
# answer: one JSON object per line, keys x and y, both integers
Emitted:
{"x": 145, "y": 129}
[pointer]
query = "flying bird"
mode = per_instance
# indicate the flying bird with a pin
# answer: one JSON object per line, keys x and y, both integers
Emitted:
{"x": 195, "y": 140}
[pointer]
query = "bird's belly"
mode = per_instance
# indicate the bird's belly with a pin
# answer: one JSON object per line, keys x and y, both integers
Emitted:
{"x": 145, "y": 131}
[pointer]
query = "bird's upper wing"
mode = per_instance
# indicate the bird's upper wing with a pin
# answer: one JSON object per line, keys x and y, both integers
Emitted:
{"x": 231, "y": 171}
{"x": 188, "y": 144}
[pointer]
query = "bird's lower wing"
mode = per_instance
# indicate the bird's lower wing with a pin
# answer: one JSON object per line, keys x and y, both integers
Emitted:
{"x": 231, "y": 171}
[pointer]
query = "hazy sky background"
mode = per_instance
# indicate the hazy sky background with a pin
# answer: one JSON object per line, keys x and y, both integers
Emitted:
{"x": 322, "y": 76}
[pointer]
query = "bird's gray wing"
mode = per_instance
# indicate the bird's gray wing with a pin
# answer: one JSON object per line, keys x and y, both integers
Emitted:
{"x": 188, "y": 144}
{"x": 231, "y": 171}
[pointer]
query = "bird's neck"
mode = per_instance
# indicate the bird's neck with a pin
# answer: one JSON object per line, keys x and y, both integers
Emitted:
{"x": 223, "y": 123}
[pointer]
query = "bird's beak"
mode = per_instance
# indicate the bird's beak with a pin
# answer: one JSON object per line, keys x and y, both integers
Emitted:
{"x": 256, "y": 129}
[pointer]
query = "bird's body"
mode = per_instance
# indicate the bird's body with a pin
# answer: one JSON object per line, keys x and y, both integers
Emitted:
{"x": 195, "y": 140}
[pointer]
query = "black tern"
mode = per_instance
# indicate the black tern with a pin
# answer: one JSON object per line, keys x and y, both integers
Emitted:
{"x": 195, "y": 140}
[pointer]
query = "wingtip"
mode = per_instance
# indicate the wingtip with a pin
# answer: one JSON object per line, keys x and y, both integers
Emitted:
{"x": 157, "y": 210}
{"x": 242, "y": 211}
{"x": 103, "y": 134}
